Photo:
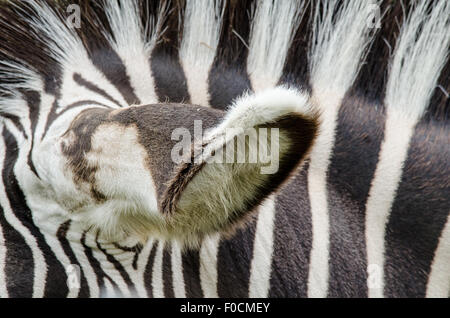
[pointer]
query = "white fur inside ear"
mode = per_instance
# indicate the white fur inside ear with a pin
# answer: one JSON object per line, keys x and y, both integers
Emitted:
{"x": 223, "y": 192}
{"x": 252, "y": 110}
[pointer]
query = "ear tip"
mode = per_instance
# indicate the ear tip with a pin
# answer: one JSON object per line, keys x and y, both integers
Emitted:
{"x": 266, "y": 106}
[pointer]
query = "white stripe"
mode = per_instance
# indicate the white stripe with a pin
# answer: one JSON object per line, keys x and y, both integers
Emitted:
{"x": 136, "y": 278}
{"x": 17, "y": 106}
{"x": 126, "y": 258}
{"x": 339, "y": 45}
{"x": 106, "y": 266}
{"x": 108, "y": 289}
{"x": 260, "y": 270}
{"x": 24, "y": 118}
{"x": 138, "y": 283}
{"x": 208, "y": 266}
{"x": 413, "y": 76}
{"x": 272, "y": 31}
{"x": 3, "y": 289}
{"x": 157, "y": 275}
{"x": 273, "y": 26}
{"x": 317, "y": 190}
{"x": 439, "y": 279}
{"x": 17, "y": 77}
{"x": 68, "y": 50}
{"x": 418, "y": 60}
{"x": 202, "y": 26}
{"x": 130, "y": 42}
{"x": 144, "y": 256}
{"x": 179, "y": 288}
{"x": 48, "y": 229}
{"x": 44, "y": 111}
{"x": 393, "y": 152}
{"x": 72, "y": 92}
{"x": 57, "y": 249}
{"x": 143, "y": 259}
{"x": 49, "y": 218}
{"x": 73, "y": 236}
{"x": 40, "y": 267}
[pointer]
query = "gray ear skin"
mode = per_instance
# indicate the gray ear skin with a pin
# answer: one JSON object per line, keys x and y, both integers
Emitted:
{"x": 204, "y": 197}
{"x": 154, "y": 125}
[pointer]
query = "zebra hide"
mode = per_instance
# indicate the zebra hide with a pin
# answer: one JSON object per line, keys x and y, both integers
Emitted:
{"x": 96, "y": 98}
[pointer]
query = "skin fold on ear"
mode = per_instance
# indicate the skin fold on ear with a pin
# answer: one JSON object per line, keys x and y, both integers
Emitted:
{"x": 261, "y": 141}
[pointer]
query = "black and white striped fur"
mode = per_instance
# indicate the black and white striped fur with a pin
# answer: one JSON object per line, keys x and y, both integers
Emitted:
{"x": 366, "y": 216}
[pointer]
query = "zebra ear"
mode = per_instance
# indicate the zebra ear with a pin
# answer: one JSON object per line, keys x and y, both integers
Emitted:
{"x": 260, "y": 142}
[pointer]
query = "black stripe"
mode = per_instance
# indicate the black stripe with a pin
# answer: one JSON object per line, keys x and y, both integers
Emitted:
{"x": 136, "y": 256}
{"x": 359, "y": 134}
{"x": 61, "y": 235}
{"x": 19, "y": 42}
{"x": 94, "y": 88}
{"x": 191, "y": 273}
{"x": 56, "y": 276}
{"x": 419, "y": 212}
{"x": 81, "y": 103}
{"x": 16, "y": 122}
{"x": 439, "y": 108}
{"x": 19, "y": 263}
{"x": 33, "y": 100}
{"x": 107, "y": 60}
{"x": 96, "y": 266}
{"x": 52, "y": 86}
{"x": 358, "y": 138}
{"x": 292, "y": 239}
{"x": 92, "y": 33}
{"x": 228, "y": 76}
{"x": 148, "y": 273}
{"x": 372, "y": 79}
{"x": 136, "y": 249}
{"x": 295, "y": 71}
{"x": 170, "y": 81}
{"x": 167, "y": 273}
{"x": 118, "y": 266}
{"x": 51, "y": 116}
{"x": 234, "y": 260}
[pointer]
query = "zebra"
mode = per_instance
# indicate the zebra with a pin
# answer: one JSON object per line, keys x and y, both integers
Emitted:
{"x": 91, "y": 205}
